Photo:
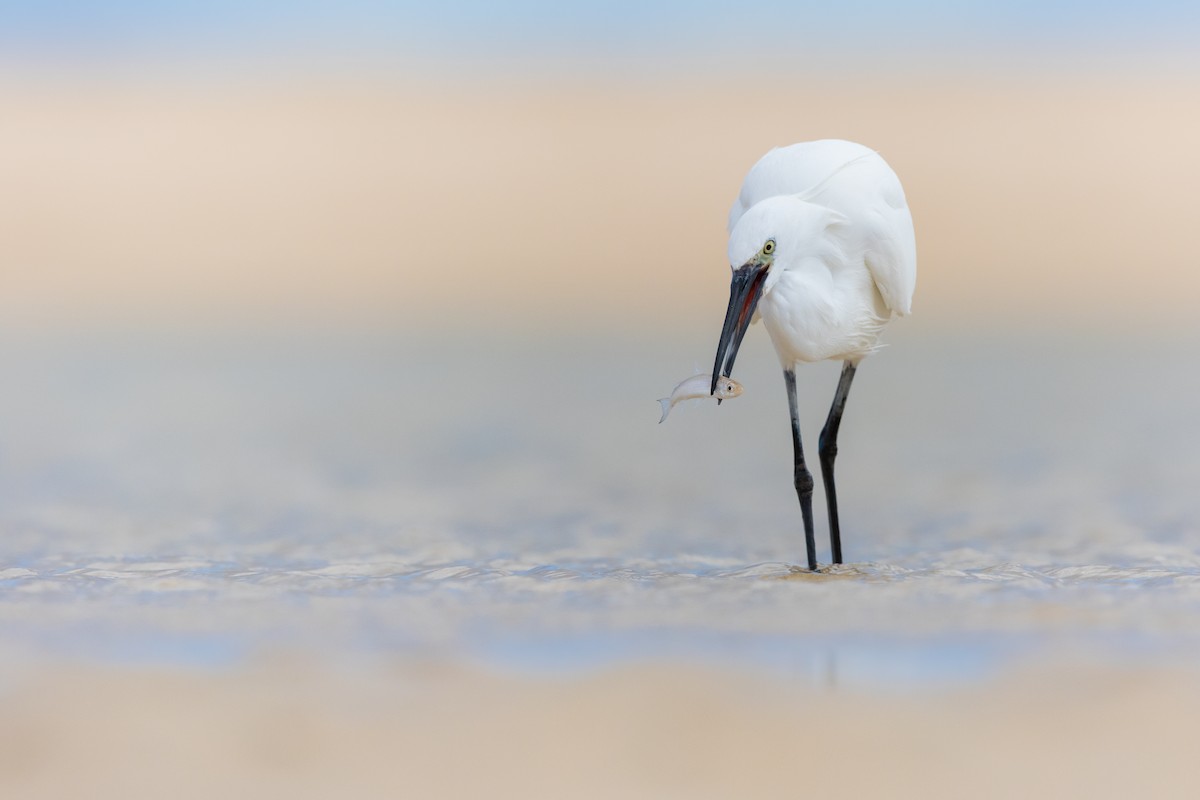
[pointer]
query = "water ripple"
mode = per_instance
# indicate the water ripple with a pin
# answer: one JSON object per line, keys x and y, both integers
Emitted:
{"x": 189, "y": 572}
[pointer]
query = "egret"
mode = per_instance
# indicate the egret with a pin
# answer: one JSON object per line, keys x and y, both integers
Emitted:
{"x": 822, "y": 248}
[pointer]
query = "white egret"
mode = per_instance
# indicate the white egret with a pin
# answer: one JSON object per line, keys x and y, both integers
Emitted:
{"x": 821, "y": 246}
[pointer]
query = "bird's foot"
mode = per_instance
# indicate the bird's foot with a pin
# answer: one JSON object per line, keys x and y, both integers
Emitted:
{"x": 826, "y": 571}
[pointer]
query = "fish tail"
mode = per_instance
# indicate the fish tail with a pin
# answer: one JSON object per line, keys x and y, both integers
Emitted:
{"x": 665, "y": 402}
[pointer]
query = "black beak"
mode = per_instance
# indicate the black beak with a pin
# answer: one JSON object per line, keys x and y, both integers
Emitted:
{"x": 744, "y": 291}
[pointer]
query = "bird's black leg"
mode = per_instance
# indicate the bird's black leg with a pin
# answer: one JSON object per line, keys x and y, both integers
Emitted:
{"x": 803, "y": 478}
{"x": 827, "y": 448}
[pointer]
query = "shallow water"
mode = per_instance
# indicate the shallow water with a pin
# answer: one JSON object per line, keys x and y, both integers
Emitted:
{"x": 514, "y": 503}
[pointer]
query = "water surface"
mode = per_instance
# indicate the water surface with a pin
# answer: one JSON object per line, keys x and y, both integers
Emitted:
{"x": 514, "y": 503}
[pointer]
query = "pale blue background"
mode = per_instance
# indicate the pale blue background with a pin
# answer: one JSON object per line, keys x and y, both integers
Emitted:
{"x": 362, "y": 29}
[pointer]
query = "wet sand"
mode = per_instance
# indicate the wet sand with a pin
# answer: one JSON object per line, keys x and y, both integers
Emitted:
{"x": 591, "y": 624}
{"x": 283, "y": 730}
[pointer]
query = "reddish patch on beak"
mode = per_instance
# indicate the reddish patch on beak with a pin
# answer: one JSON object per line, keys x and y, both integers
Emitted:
{"x": 744, "y": 290}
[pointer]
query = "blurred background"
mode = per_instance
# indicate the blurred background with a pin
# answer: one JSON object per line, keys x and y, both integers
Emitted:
{"x": 329, "y": 341}
{"x": 520, "y": 164}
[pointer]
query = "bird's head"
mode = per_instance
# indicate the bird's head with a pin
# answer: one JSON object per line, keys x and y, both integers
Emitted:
{"x": 772, "y": 237}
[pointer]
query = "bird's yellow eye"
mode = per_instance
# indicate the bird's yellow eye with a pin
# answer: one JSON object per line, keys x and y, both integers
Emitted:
{"x": 769, "y": 247}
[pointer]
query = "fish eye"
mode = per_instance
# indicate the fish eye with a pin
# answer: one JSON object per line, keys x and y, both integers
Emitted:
{"x": 769, "y": 247}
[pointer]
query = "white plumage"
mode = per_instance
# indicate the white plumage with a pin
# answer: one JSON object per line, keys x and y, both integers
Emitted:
{"x": 846, "y": 257}
{"x": 821, "y": 247}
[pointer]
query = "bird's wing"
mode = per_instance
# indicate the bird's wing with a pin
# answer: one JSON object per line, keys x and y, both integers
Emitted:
{"x": 888, "y": 244}
{"x": 893, "y": 266}
{"x": 856, "y": 182}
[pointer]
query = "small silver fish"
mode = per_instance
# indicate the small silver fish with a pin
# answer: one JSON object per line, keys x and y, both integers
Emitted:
{"x": 696, "y": 387}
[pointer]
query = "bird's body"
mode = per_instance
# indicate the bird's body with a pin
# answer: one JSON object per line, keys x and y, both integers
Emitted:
{"x": 852, "y": 235}
{"x": 822, "y": 247}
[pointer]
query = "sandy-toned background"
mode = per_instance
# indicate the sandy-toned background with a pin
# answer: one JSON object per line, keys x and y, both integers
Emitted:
{"x": 651, "y": 732}
{"x": 1062, "y": 199}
